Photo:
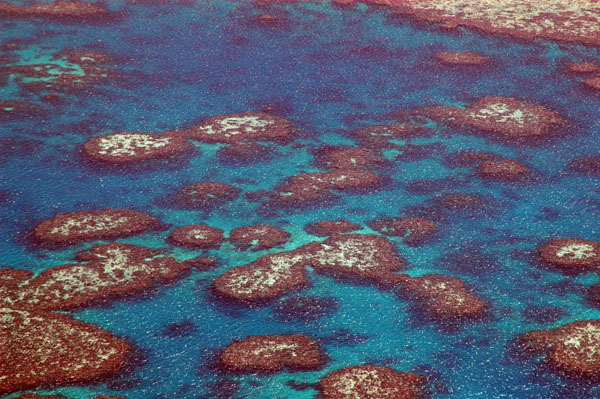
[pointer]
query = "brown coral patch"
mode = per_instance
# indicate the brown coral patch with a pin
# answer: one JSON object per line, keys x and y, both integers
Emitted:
{"x": 571, "y": 255}
{"x": 373, "y": 382}
{"x": 198, "y": 236}
{"x": 43, "y": 349}
{"x": 246, "y": 127}
{"x": 104, "y": 273}
{"x": 100, "y": 224}
{"x": 272, "y": 353}
{"x": 572, "y": 350}
{"x": 443, "y": 298}
{"x": 258, "y": 237}
{"x": 133, "y": 147}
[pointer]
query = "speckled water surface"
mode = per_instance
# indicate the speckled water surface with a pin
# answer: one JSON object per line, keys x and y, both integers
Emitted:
{"x": 328, "y": 69}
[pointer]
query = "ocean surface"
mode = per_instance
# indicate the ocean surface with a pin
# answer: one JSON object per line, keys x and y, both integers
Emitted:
{"x": 204, "y": 59}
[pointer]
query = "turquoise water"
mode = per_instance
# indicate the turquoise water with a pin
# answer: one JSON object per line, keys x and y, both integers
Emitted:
{"x": 202, "y": 60}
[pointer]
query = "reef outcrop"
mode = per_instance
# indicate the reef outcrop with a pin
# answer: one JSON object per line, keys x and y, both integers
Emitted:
{"x": 258, "y": 237}
{"x": 359, "y": 258}
{"x": 89, "y": 225}
{"x": 443, "y": 298}
{"x": 263, "y": 280}
{"x": 127, "y": 148}
{"x": 44, "y": 349}
{"x": 104, "y": 273}
{"x": 571, "y": 255}
{"x": 318, "y": 187}
{"x": 373, "y": 382}
{"x": 572, "y": 350}
{"x": 507, "y": 119}
{"x": 272, "y": 353}
{"x": 197, "y": 236}
{"x": 247, "y": 127}
{"x": 59, "y": 10}
{"x": 559, "y": 20}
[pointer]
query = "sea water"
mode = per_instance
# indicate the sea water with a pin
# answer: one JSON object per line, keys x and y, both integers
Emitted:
{"x": 203, "y": 60}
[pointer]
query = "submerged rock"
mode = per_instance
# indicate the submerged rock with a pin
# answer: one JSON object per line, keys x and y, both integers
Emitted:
{"x": 15, "y": 110}
{"x": 313, "y": 188}
{"x": 342, "y": 157}
{"x": 244, "y": 154}
{"x": 593, "y": 84}
{"x": 205, "y": 195}
{"x": 467, "y": 58}
{"x": 72, "y": 73}
{"x": 326, "y": 228}
{"x": 588, "y": 166}
{"x": 198, "y": 236}
{"x": 502, "y": 170}
{"x": 379, "y": 136}
{"x": 36, "y": 396}
{"x": 470, "y": 158}
{"x": 415, "y": 231}
{"x": 582, "y": 68}
{"x": 305, "y": 308}
{"x": 174, "y": 330}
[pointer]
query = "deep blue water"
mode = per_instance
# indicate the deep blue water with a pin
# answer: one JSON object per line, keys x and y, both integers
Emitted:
{"x": 203, "y": 60}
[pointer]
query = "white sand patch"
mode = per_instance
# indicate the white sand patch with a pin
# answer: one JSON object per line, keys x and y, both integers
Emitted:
{"x": 255, "y": 280}
{"x": 82, "y": 224}
{"x": 585, "y": 340}
{"x": 270, "y": 348}
{"x": 576, "y": 251}
{"x": 351, "y": 253}
{"x": 503, "y": 113}
{"x": 368, "y": 381}
{"x": 234, "y": 125}
{"x": 130, "y": 144}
